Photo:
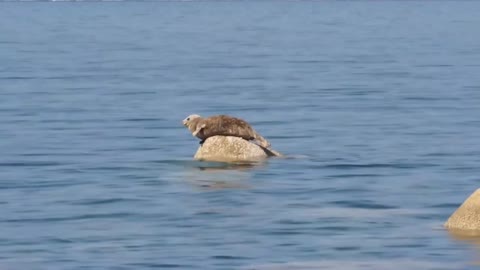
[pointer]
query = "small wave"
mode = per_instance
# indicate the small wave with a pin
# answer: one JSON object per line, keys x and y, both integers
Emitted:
{"x": 70, "y": 218}
{"x": 31, "y": 164}
{"x": 363, "y": 204}
{"x": 104, "y": 201}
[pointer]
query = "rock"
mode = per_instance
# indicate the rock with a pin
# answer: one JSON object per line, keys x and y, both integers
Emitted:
{"x": 231, "y": 149}
{"x": 467, "y": 216}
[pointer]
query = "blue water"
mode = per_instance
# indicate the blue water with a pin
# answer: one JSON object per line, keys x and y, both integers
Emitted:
{"x": 377, "y": 104}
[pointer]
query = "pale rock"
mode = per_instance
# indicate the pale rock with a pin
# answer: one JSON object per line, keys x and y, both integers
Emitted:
{"x": 467, "y": 216}
{"x": 232, "y": 149}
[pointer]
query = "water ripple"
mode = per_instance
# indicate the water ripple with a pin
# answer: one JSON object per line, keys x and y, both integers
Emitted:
{"x": 118, "y": 215}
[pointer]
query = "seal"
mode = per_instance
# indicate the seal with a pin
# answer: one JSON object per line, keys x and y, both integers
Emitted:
{"x": 223, "y": 125}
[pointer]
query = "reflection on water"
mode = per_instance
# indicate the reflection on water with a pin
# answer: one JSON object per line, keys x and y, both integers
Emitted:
{"x": 217, "y": 175}
{"x": 218, "y": 166}
{"x": 469, "y": 237}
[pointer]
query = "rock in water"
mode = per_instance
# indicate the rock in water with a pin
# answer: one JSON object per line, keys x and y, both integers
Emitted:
{"x": 232, "y": 149}
{"x": 467, "y": 216}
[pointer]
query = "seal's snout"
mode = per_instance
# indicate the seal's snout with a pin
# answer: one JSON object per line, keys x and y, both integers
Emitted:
{"x": 184, "y": 122}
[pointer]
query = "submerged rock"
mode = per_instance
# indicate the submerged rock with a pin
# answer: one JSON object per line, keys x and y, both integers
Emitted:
{"x": 232, "y": 149}
{"x": 467, "y": 216}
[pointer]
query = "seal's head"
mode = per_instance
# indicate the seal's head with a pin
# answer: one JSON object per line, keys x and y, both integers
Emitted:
{"x": 189, "y": 118}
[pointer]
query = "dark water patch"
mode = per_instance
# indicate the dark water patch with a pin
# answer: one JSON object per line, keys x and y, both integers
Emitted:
{"x": 73, "y": 90}
{"x": 445, "y": 205}
{"x": 347, "y": 248}
{"x": 75, "y": 120}
{"x": 147, "y": 137}
{"x": 431, "y": 133}
{"x": 362, "y": 204}
{"x": 251, "y": 78}
{"x": 355, "y": 175}
{"x": 101, "y": 201}
{"x": 274, "y": 137}
{"x": 229, "y": 257}
{"x": 30, "y": 250}
{"x": 365, "y": 92}
{"x": 54, "y": 154}
{"x": 71, "y": 171}
{"x": 113, "y": 168}
{"x": 293, "y": 222}
{"x": 115, "y": 215}
{"x": 159, "y": 265}
{"x": 437, "y": 154}
{"x": 142, "y": 137}
{"x": 35, "y": 186}
{"x": 332, "y": 229}
{"x": 334, "y": 90}
{"x": 67, "y": 120}
{"x": 308, "y": 61}
{"x": 169, "y": 126}
{"x": 434, "y": 65}
{"x": 285, "y": 232}
{"x": 462, "y": 168}
{"x": 469, "y": 122}
{"x": 10, "y": 42}
{"x": 328, "y": 190}
{"x": 287, "y": 244}
{"x": 408, "y": 246}
{"x": 18, "y": 78}
{"x": 349, "y": 190}
{"x": 76, "y": 77}
{"x": 358, "y": 166}
{"x": 130, "y": 149}
{"x": 379, "y": 166}
{"x": 147, "y": 180}
{"x": 431, "y": 98}
{"x": 432, "y": 216}
{"x": 152, "y": 119}
{"x": 178, "y": 162}
{"x": 58, "y": 240}
{"x": 135, "y": 93}
{"x": 225, "y": 66}
{"x": 257, "y": 109}
{"x": 32, "y": 164}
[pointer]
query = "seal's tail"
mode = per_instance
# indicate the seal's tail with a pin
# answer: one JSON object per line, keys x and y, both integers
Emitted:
{"x": 262, "y": 141}
{"x": 271, "y": 152}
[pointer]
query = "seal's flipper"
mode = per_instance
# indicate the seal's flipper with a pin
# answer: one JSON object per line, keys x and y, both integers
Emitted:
{"x": 261, "y": 141}
{"x": 198, "y": 130}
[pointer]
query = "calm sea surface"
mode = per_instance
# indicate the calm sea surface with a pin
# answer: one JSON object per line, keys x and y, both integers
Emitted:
{"x": 376, "y": 103}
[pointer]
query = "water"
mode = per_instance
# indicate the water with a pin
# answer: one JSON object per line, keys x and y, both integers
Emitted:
{"x": 376, "y": 102}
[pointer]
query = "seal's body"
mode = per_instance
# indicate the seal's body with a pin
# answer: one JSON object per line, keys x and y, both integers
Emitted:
{"x": 223, "y": 125}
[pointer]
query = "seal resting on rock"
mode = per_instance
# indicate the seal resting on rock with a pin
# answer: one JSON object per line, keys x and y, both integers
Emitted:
{"x": 222, "y": 125}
